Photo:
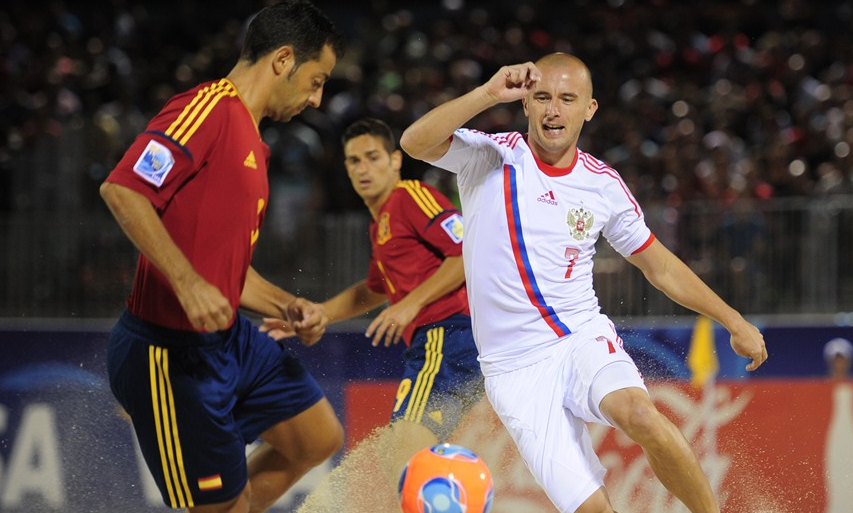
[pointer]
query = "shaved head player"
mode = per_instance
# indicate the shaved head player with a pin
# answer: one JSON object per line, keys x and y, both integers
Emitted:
{"x": 535, "y": 206}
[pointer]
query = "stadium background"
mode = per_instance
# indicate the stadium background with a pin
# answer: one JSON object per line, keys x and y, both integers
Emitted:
{"x": 731, "y": 121}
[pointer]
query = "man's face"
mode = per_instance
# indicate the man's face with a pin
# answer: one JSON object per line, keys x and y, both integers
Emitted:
{"x": 303, "y": 85}
{"x": 372, "y": 170}
{"x": 558, "y": 106}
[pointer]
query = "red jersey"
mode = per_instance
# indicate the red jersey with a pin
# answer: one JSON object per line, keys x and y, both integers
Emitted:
{"x": 202, "y": 164}
{"x": 416, "y": 229}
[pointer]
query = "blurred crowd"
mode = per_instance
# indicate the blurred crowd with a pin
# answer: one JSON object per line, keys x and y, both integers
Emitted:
{"x": 699, "y": 100}
{"x": 716, "y": 101}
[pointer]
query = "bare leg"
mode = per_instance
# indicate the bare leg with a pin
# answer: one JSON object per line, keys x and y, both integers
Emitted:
{"x": 291, "y": 448}
{"x": 669, "y": 454}
{"x": 598, "y": 502}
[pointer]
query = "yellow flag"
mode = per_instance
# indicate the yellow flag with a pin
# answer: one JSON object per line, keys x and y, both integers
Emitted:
{"x": 702, "y": 356}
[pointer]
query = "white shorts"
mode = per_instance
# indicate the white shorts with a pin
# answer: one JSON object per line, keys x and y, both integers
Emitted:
{"x": 545, "y": 407}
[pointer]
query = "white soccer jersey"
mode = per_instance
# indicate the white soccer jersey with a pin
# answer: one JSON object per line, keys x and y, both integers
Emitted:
{"x": 530, "y": 233}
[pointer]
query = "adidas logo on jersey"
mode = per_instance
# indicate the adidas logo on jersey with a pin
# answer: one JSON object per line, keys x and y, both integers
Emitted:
{"x": 250, "y": 161}
{"x": 548, "y": 198}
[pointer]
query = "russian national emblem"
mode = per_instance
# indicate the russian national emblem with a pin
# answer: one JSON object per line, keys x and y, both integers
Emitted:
{"x": 580, "y": 222}
{"x": 383, "y": 229}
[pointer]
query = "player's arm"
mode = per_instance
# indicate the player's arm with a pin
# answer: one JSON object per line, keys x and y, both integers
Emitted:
{"x": 305, "y": 319}
{"x": 205, "y": 306}
{"x": 391, "y": 322}
{"x": 355, "y": 300}
{"x": 670, "y": 275}
{"x": 350, "y": 302}
{"x": 428, "y": 138}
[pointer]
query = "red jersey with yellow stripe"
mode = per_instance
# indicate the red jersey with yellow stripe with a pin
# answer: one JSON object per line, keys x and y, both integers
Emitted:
{"x": 415, "y": 230}
{"x": 202, "y": 164}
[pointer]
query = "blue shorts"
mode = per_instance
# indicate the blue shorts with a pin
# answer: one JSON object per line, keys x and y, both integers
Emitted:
{"x": 197, "y": 400}
{"x": 442, "y": 378}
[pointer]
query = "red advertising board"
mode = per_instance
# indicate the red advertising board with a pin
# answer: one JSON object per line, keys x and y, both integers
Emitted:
{"x": 766, "y": 445}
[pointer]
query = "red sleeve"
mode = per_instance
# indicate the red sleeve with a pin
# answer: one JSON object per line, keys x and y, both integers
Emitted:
{"x": 156, "y": 165}
{"x": 438, "y": 222}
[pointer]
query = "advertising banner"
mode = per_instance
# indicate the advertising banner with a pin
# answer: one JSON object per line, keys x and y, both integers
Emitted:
{"x": 782, "y": 443}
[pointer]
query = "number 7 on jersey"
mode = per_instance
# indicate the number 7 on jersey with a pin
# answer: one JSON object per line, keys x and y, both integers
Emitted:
{"x": 571, "y": 256}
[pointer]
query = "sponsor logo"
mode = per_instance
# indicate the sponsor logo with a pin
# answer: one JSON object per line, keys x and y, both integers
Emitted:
{"x": 580, "y": 221}
{"x": 155, "y": 163}
{"x": 250, "y": 161}
{"x": 548, "y": 198}
{"x": 454, "y": 228}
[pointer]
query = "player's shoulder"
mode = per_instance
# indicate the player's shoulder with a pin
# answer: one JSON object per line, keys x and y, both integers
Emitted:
{"x": 508, "y": 140}
{"x": 596, "y": 169}
{"x": 603, "y": 178}
{"x": 203, "y": 96}
{"x": 202, "y": 106}
{"x": 423, "y": 196}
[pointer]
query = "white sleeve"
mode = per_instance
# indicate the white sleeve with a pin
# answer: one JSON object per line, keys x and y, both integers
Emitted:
{"x": 626, "y": 229}
{"x": 470, "y": 153}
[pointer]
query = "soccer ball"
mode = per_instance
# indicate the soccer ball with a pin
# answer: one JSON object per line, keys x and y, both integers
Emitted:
{"x": 446, "y": 478}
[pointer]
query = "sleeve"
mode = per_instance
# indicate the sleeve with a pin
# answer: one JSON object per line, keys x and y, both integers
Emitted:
{"x": 154, "y": 166}
{"x": 470, "y": 152}
{"x": 433, "y": 218}
{"x": 626, "y": 229}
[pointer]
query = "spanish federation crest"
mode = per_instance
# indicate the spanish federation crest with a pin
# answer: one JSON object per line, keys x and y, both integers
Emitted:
{"x": 383, "y": 229}
{"x": 580, "y": 222}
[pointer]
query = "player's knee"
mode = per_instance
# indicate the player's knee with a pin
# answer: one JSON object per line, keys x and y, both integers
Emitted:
{"x": 638, "y": 418}
{"x": 327, "y": 444}
{"x": 336, "y": 440}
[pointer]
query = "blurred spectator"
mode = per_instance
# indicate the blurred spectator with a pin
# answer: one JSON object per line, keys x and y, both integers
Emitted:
{"x": 717, "y": 102}
{"x": 711, "y": 101}
{"x": 838, "y": 354}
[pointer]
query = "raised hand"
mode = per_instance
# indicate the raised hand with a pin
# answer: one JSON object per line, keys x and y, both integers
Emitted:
{"x": 513, "y": 82}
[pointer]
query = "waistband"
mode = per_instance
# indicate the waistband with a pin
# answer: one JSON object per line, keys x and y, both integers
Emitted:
{"x": 162, "y": 336}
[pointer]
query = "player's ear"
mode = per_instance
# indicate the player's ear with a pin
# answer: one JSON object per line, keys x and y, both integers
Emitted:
{"x": 524, "y": 104}
{"x": 591, "y": 109}
{"x": 284, "y": 60}
{"x": 397, "y": 160}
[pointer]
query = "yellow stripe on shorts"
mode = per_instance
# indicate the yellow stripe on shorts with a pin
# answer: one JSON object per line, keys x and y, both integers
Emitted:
{"x": 166, "y": 426}
{"x": 424, "y": 381}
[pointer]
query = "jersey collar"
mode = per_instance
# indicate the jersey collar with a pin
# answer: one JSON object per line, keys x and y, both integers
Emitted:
{"x": 550, "y": 170}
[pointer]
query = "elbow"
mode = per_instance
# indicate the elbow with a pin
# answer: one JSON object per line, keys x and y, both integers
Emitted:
{"x": 421, "y": 147}
{"x": 107, "y": 192}
{"x": 408, "y": 142}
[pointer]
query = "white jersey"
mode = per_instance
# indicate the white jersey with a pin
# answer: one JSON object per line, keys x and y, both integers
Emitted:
{"x": 530, "y": 233}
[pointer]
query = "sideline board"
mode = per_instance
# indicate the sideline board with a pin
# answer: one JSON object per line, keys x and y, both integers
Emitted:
{"x": 65, "y": 447}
